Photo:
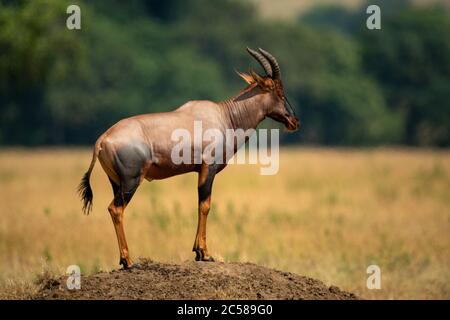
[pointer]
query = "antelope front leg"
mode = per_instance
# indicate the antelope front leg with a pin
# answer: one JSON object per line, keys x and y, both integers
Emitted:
{"x": 205, "y": 180}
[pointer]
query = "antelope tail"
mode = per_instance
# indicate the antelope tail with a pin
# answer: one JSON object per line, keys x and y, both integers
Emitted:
{"x": 84, "y": 188}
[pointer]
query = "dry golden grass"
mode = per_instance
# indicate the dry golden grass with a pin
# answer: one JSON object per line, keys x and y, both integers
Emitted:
{"x": 328, "y": 214}
{"x": 292, "y": 9}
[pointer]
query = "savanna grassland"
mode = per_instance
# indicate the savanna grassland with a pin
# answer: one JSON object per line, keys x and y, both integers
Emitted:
{"x": 327, "y": 214}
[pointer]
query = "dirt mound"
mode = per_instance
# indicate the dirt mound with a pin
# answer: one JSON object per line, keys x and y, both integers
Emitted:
{"x": 193, "y": 280}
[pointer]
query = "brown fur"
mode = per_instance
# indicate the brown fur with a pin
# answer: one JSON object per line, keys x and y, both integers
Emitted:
{"x": 139, "y": 148}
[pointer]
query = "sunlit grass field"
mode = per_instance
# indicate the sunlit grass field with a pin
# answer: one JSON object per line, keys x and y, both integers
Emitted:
{"x": 327, "y": 214}
{"x": 292, "y": 9}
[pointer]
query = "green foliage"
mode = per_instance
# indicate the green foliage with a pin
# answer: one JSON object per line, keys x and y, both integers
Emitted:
{"x": 350, "y": 87}
{"x": 30, "y": 34}
{"x": 411, "y": 61}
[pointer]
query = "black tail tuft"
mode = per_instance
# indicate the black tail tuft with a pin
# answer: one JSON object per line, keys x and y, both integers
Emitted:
{"x": 85, "y": 192}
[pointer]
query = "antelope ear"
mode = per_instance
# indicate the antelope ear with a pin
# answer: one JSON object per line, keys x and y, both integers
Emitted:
{"x": 247, "y": 78}
{"x": 257, "y": 78}
{"x": 265, "y": 83}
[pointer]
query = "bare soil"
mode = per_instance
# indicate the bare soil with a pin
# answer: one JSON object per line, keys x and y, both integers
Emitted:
{"x": 193, "y": 280}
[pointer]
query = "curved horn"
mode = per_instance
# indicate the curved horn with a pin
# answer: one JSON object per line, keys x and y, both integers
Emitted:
{"x": 273, "y": 62}
{"x": 262, "y": 61}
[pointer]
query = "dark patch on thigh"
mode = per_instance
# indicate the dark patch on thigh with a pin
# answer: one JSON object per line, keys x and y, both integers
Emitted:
{"x": 129, "y": 161}
{"x": 114, "y": 186}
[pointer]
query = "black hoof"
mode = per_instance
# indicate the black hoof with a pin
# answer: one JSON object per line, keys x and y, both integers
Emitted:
{"x": 198, "y": 255}
{"x": 125, "y": 264}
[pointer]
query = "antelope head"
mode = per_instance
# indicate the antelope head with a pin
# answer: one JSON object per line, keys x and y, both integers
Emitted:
{"x": 279, "y": 108}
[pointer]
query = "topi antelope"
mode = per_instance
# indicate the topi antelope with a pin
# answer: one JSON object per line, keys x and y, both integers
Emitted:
{"x": 139, "y": 147}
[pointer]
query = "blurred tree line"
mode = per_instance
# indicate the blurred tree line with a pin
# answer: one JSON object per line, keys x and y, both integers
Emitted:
{"x": 350, "y": 85}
